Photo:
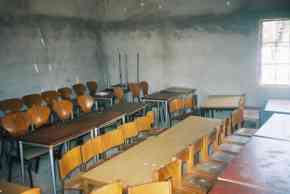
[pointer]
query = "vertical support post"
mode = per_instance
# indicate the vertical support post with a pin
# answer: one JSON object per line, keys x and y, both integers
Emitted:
{"x": 52, "y": 169}
{"x": 21, "y": 161}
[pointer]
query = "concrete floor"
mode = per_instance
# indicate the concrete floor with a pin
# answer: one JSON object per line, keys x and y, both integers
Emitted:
{"x": 43, "y": 179}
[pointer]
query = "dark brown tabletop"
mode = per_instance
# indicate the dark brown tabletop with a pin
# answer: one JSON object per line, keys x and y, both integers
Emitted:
{"x": 61, "y": 132}
{"x": 127, "y": 108}
{"x": 162, "y": 96}
{"x": 179, "y": 90}
{"x": 262, "y": 163}
{"x": 222, "y": 187}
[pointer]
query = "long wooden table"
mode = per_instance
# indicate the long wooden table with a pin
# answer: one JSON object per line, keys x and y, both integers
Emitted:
{"x": 136, "y": 165}
{"x": 61, "y": 133}
{"x": 263, "y": 163}
{"x": 221, "y": 102}
{"x": 128, "y": 108}
{"x": 222, "y": 187}
{"x": 277, "y": 127}
{"x": 11, "y": 188}
{"x": 278, "y": 106}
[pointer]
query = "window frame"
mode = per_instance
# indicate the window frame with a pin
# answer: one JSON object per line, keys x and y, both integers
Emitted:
{"x": 259, "y": 53}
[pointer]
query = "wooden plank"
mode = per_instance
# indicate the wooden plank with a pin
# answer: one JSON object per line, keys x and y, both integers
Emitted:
{"x": 278, "y": 106}
{"x": 221, "y": 102}
{"x": 222, "y": 187}
{"x": 162, "y": 96}
{"x": 262, "y": 163}
{"x": 127, "y": 108}
{"x": 136, "y": 165}
{"x": 277, "y": 127}
{"x": 11, "y": 188}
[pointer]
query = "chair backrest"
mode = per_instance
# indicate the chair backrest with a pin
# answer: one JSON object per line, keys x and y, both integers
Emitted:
{"x": 151, "y": 188}
{"x": 63, "y": 109}
{"x": 113, "y": 138}
{"x": 85, "y": 103}
{"x": 92, "y": 148}
{"x": 92, "y": 86}
{"x": 16, "y": 124}
{"x": 11, "y": 105}
{"x": 65, "y": 93}
{"x": 70, "y": 161}
{"x": 143, "y": 123}
{"x": 118, "y": 92}
{"x": 79, "y": 89}
{"x": 175, "y": 105}
{"x": 189, "y": 103}
{"x": 135, "y": 89}
{"x": 50, "y": 97}
{"x": 227, "y": 126}
{"x": 113, "y": 188}
{"x": 171, "y": 172}
{"x": 222, "y": 131}
{"x": 236, "y": 119}
{"x": 151, "y": 117}
{"x": 32, "y": 191}
{"x": 32, "y": 99}
{"x": 129, "y": 130}
{"x": 145, "y": 87}
{"x": 39, "y": 115}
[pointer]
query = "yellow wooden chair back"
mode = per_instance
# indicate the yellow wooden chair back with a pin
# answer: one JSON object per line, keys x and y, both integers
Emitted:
{"x": 87, "y": 150}
{"x": 112, "y": 139}
{"x": 70, "y": 161}
{"x": 171, "y": 172}
{"x": 118, "y": 92}
{"x": 141, "y": 123}
{"x": 175, "y": 105}
{"x": 189, "y": 103}
{"x": 85, "y": 103}
{"x": 32, "y": 191}
{"x": 152, "y": 188}
{"x": 150, "y": 116}
{"x": 236, "y": 119}
{"x": 113, "y": 188}
{"x": 129, "y": 130}
{"x": 39, "y": 115}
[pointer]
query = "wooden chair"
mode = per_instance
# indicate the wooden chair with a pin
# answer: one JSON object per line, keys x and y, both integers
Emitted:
{"x": 135, "y": 89}
{"x": 79, "y": 89}
{"x": 69, "y": 163}
{"x": 63, "y": 109}
{"x": 32, "y": 191}
{"x": 175, "y": 107}
{"x": 113, "y": 139}
{"x": 129, "y": 131}
{"x": 50, "y": 97}
{"x": 85, "y": 103}
{"x": 92, "y": 149}
{"x": 11, "y": 105}
{"x": 118, "y": 92}
{"x": 32, "y": 99}
{"x": 249, "y": 115}
{"x": 38, "y": 115}
{"x": 65, "y": 93}
{"x": 189, "y": 107}
{"x": 151, "y": 188}
{"x": 113, "y": 188}
{"x": 17, "y": 125}
{"x": 93, "y": 87}
{"x": 145, "y": 87}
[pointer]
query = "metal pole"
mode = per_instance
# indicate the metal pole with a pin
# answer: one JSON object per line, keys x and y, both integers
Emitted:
{"x": 52, "y": 169}
{"x": 120, "y": 68}
{"x": 138, "y": 61}
{"x": 126, "y": 69}
{"x": 21, "y": 161}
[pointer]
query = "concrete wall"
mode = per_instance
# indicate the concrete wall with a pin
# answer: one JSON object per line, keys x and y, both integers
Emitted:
{"x": 214, "y": 55}
{"x": 41, "y": 53}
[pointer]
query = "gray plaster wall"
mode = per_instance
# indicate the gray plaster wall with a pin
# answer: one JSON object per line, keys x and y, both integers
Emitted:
{"x": 42, "y": 53}
{"x": 215, "y": 55}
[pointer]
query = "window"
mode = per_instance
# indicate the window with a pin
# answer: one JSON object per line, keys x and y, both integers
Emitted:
{"x": 275, "y": 52}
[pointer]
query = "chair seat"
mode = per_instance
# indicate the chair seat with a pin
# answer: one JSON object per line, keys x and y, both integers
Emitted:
{"x": 222, "y": 156}
{"x": 198, "y": 182}
{"x": 237, "y": 139}
{"x": 232, "y": 148}
{"x": 248, "y": 132}
{"x": 74, "y": 183}
{"x": 210, "y": 167}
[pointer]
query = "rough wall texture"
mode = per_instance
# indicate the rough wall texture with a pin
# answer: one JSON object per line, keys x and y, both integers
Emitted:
{"x": 216, "y": 55}
{"x": 40, "y": 53}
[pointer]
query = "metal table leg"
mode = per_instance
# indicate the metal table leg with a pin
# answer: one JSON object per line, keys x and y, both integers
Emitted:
{"x": 21, "y": 160}
{"x": 166, "y": 114}
{"x": 52, "y": 169}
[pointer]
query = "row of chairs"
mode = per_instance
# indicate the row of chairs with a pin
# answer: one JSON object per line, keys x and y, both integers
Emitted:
{"x": 122, "y": 138}
{"x": 204, "y": 160}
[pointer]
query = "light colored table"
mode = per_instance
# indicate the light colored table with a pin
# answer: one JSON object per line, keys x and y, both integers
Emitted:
{"x": 278, "y": 106}
{"x": 137, "y": 165}
{"x": 277, "y": 127}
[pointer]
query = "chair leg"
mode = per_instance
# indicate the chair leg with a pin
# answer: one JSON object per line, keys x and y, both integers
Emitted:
{"x": 37, "y": 165}
{"x": 30, "y": 174}
{"x": 10, "y": 166}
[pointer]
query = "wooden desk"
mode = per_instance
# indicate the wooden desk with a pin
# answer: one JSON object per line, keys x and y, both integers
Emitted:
{"x": 263, "y": 163}
{"x": 277, "y": 127}
{"x": 128, "y": 108}
{"x": 180, "y": 90}
{"x": 136, "y": 165}
{"x": 222, "y": 187}
{"x": 11, "y": 188}
{"x": 278, "y": 106}
{"x": 61, "y": 133}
